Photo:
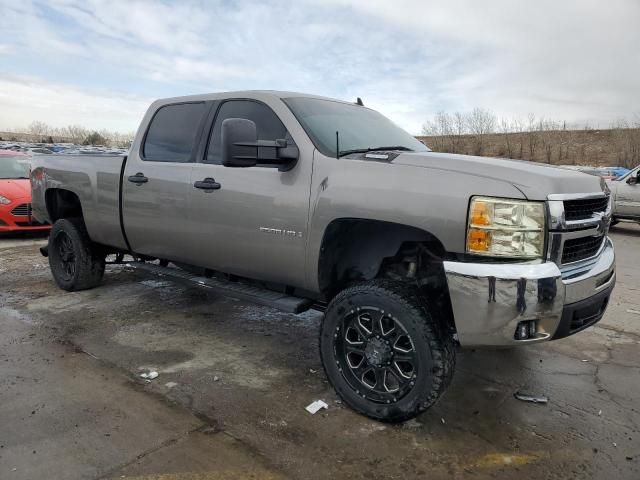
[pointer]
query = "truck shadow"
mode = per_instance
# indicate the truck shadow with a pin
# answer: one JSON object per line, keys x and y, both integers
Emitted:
{"x": 627, "y": 228}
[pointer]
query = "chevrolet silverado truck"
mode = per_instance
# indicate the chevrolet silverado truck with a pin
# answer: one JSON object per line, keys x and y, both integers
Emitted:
{"x": 298, "y": 201}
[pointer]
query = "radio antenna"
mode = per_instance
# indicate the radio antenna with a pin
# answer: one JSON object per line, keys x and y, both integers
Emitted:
{"x": 337, "y": 144}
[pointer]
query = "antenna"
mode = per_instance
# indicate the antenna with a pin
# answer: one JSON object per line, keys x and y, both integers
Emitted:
{"x": 337, "y": 144}
{"x": 359, "y": 102}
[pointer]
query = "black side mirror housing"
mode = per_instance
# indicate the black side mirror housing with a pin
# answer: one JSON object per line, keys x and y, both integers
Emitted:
{"x": 239, "y": 143}
{"x": 634, "y": 179}
{"x": 241, "y": 147}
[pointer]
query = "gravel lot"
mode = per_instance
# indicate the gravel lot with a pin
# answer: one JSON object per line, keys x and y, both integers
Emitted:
{"x": 234, "y": 379}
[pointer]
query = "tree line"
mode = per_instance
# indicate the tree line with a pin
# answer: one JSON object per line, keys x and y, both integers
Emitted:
{"x": 481, "y": 132}
{"x": 41, "y": 132}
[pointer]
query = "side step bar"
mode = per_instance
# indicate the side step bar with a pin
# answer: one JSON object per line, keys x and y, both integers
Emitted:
{"x": 261, "y": 296}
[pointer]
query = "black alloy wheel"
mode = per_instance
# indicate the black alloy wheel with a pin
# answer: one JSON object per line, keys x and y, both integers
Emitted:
{"x": 375, "y": 354}
{"x": 384, "y": 352}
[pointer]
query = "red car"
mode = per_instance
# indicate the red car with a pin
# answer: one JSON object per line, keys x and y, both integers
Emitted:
{"x": 15, "y": 194}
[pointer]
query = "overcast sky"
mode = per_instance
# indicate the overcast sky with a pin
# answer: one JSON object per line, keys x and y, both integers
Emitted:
{"x": 99, "y": 63}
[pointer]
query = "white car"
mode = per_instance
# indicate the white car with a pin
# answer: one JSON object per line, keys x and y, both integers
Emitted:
{"x": 625, "y": 194}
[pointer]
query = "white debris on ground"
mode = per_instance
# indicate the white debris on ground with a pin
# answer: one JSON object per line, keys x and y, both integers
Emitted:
{"x": 524, "y": 397}
{"x": 149, "y": 375}
{"x": 313, "y": 407}
{"x": 413, "y": 423}
{"x": 155, "y": 283}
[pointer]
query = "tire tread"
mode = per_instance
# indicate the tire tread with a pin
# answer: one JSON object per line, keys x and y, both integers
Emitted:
{"x": 435, "y": 334}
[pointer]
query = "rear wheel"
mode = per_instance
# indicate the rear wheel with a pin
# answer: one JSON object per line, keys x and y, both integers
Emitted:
{"x": 76, "y": 263}
{"x": 385, "y": 355}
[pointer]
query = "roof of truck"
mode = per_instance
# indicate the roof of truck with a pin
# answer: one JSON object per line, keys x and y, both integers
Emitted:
{"x": 245, "y": 93}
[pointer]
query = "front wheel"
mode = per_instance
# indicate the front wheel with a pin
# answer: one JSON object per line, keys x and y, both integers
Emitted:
{"x": 76, "y": 263}
{"x": 384, "y": 353}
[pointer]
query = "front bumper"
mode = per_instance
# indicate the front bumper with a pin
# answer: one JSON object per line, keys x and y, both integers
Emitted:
{"x": 18, "y": 223}
{"x": 490, "y": 300}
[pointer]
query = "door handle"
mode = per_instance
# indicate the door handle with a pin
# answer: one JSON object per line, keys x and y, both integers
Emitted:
{"x": 138, "y": 178}
{"x": 207, "y": 184}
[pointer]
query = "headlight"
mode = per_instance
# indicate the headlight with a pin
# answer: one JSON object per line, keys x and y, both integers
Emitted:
{"x": 506, "y": 228}
{"x": 4, "y": 200}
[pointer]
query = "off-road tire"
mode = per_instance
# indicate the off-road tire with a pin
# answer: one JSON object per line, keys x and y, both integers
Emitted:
{"x": 88, "y": 261}
{"x": 432, "y": 341}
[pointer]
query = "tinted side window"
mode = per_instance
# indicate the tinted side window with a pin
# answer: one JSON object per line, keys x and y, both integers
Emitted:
{"x": 172, "y": 132}
{"x": 268, "y": 124}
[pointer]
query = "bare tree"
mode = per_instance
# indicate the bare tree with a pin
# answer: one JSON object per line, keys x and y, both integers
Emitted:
{"x": 459, "y": 129}
{"x": 439, "y": 128}
{"x": 547, "y": 134}
{"x": 532, "y": 135}
{"x": 38, "y": 129}
{"x": 506, "y": 129}
{"x": 76, "y": 133}
{"x": 480, "y": 123}
{"x": 626, "y": 138}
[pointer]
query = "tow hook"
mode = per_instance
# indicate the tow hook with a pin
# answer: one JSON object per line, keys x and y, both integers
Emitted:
{"x": 44, "y": 251}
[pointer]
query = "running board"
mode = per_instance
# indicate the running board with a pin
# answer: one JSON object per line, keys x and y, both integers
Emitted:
{"x": 261, "y": 296}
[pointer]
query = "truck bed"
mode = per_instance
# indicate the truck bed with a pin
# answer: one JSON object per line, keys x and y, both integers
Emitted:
{"x": 95, "y": 179}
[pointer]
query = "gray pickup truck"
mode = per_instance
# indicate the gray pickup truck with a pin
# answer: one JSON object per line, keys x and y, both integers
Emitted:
{"x": 298, "y": 201}
{"x": 625, "y": 194}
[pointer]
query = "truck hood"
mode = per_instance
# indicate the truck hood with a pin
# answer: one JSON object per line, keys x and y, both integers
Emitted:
{"x": 536, "y": 181}
{"x": 15, "y": 188}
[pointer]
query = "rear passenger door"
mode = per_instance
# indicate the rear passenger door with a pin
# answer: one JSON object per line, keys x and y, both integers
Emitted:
{"x": 156, "y": 182}
{"x": 254, "y": 224}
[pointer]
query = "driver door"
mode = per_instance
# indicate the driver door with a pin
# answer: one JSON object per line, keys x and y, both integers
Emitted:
{"x": 254, "y": 222}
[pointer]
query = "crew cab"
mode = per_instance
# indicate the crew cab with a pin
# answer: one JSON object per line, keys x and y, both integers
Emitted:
{"x": 299, "y": 201}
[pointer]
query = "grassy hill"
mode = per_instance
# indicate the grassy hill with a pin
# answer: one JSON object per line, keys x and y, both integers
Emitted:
{"x": 605, "y": 147}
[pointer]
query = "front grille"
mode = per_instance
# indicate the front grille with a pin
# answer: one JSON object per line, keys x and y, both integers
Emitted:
{"x": 23, "y": 210}
{"x": 582, "y": 248}
{"x": 584, "y": 209}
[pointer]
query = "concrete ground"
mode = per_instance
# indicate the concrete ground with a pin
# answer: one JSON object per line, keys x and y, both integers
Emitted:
{"x": 234, "y": 379}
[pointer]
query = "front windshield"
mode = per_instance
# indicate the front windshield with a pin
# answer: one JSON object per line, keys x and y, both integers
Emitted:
{"x": 623, "y": 178}
{"x": 359, "y": 128}
{"x": 13, "y": 167}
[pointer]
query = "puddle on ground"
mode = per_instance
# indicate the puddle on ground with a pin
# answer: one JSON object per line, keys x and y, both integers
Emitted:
{"x": 230, "y": 362}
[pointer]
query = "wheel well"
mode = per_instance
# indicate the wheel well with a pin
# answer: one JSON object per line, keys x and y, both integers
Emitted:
{"x": 357, "y": 250}
{"x": 62, "y": 204}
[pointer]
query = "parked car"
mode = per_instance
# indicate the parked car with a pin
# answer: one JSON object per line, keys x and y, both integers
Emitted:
{"x": 625, "y": 193}
{"x": 618, "y": 172}
{"x": 15, "y": 194}
{"x": 297, "y": 201}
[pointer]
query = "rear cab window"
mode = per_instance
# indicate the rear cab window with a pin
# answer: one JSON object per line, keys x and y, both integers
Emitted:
{"x": 172, "y": 133}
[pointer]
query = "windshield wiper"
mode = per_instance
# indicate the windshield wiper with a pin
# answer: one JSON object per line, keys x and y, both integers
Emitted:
{"x": 374, "y": 149}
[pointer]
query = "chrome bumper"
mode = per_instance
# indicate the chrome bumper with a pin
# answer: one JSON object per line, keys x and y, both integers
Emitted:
{"x": 490, "y": 300}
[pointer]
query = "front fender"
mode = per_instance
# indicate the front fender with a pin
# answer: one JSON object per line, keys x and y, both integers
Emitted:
{"x": 432, "y": 200}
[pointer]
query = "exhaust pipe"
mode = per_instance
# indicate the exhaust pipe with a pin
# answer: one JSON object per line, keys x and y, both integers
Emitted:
{"x": 44, "y": 251}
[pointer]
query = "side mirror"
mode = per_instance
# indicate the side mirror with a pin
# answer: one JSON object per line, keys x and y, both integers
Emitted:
{"x": 634, "y": 179}
{"x": 239, "y": 143}
{"x": 241, "y": 147}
